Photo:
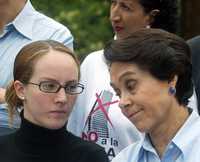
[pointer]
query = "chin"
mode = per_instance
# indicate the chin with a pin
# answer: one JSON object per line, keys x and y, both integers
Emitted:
{"x": 56, "y": 125}
{"x": 117, "y": 36}
{"x": 141, "y": 128}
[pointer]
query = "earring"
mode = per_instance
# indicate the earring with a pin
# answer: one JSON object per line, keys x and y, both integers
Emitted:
{"x": 148, "y": 26}
{"x": 172, "y": 90}
{"x": 22, "y": 98}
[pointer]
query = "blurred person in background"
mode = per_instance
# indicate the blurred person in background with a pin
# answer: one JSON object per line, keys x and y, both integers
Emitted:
{"x": 20, "y": 24}
{"x": 194, "y": 44}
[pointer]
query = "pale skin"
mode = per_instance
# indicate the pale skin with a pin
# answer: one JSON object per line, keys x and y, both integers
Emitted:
{"x": 9, "y": 9}
{"x": 146, "y": 102}
{"x": 49, "y": 110}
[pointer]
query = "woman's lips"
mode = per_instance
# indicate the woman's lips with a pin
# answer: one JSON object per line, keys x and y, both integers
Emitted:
{"x": 118, "y": 28}
{"x": 132, "y": 115}
{"x": 58, "y": 112}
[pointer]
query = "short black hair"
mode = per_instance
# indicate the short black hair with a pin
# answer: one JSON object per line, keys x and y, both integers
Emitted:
{"x": 167, "y": 18}
{"x": 159, "y": 52}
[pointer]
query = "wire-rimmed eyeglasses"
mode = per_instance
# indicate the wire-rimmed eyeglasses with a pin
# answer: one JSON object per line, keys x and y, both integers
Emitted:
{"x": 54, "y": 87}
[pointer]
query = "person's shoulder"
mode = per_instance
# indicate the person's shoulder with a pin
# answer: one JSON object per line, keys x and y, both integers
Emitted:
{"x": 94, "y": 55}
{"x": 45, "y": 27}
{"x": 90, "y": 151}
{"x": 194, "y": 41}
{"x": 45, "y": 22}
{"x": 94, "y": 62}
{"x": 5, "y": 138}
{"x": 5, "y": 142}
{"x": 94, "y": 58}
{"x": 194, "y": 44}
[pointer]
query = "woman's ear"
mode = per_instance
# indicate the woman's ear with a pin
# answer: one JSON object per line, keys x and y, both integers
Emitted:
{"x": 19, "y": 89}
{"x": 152, "y": 15}
{"x": 172, "y": 86}
{"x": 173, "y": 82}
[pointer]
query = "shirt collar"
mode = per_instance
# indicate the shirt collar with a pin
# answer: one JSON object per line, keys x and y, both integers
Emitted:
{"x": 188, "y": 133}
{"x": 147, "y": 145}
{"x": 25, "y": 20}
{"x": 185, "y": 134}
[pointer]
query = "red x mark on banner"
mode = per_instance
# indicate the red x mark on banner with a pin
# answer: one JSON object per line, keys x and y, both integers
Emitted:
{"x": 102, "y": 107}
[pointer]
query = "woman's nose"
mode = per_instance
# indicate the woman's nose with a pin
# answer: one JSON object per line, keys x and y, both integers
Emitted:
{"x": 115, "y": 13}
{"x": 124, "y": 102}
{"x": 61, "y": 95}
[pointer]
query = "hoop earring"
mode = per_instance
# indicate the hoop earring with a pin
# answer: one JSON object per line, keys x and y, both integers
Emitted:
{"x": 172, "y": 91}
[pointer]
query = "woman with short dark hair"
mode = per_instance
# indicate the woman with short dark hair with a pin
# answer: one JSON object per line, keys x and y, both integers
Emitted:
{"x": 151, "y": 73}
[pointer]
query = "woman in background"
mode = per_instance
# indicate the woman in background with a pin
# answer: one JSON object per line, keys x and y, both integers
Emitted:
{"x": 96, "y": 116}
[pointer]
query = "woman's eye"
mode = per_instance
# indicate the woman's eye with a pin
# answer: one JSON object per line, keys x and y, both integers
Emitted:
{"x": 131, "y": 85}
{"x": 72, "y": 87}
{"x": 49, "y": 86}
{"x": 125, "y": 7}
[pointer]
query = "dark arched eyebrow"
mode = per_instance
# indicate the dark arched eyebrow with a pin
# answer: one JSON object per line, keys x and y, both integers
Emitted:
{"x": 127, "y": 73}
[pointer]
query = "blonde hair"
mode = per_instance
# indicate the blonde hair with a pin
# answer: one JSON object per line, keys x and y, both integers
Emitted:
{"x": 24, "y": 66}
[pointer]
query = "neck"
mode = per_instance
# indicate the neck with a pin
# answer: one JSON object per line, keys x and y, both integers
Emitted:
{"x": 164, "y": 133}
{"x": 9, "y": 9}
{"x": 34, "y": 139}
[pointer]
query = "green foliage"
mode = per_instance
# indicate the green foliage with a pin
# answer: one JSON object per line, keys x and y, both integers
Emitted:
{"x": 88, "y": 20}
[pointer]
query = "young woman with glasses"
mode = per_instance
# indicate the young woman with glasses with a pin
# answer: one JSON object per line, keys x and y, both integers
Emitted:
{"x": 45, "y": 86}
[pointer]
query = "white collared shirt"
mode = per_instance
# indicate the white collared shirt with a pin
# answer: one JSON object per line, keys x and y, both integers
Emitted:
{"x": 184, "y": 147}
